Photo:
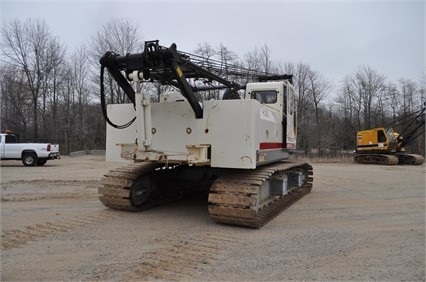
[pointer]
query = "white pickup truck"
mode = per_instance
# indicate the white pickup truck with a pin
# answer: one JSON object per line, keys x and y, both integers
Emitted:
{"x": 31, "y": 154}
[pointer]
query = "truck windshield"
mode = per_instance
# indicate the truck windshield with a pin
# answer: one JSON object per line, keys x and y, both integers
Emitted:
{"x": 265, "y": 97}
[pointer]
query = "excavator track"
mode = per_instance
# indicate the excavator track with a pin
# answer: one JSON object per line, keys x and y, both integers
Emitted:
{"x": 140, "y": 186}
{"x": 410, "y": 159}
{"x": 237, "y": 197}
{"x": 376, "y": 159}
{"x": 116, "y": 189}
{"x": 234, "y": 198}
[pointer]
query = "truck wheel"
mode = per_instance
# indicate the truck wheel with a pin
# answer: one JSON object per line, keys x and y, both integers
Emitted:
{"x": 29, "y": 159}
{"x": 41, "y": 162}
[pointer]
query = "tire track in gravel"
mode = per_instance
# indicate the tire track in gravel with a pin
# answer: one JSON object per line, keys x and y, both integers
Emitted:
{"x": 171, "y": 260}
{"x": 181, "y": 260}
{"x": 47, "y": 197}
{"x": 87, "y": 189}
{"x": 43, "y": 182}
{"x": 19, "y": 237}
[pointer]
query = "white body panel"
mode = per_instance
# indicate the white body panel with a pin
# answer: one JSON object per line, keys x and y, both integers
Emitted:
{"x": 232, "y": 132}
{"x": 119, "y": 114}
{"x": 241, "y": 133}
{"x": 231, "y": 138}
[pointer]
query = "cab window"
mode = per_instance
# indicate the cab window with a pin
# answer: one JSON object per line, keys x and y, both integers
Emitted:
{"x": 10, "y": 138}
{"x": 381, "y": 136}
{"x": 265, "y": 97}
{"x": 390, "y": 134}
{"x": 285, "y": 100}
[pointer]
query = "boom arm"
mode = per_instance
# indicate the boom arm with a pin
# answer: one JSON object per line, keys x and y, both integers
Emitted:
{"x": 164, "y": 65}
{"x": 411, "y": 135}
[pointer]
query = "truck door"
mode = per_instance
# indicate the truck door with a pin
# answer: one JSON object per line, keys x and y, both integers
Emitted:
{"x": 11, "y": 148}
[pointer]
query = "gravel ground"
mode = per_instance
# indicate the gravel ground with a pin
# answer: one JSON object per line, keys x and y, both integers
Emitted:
{"x": 361, "y": 222}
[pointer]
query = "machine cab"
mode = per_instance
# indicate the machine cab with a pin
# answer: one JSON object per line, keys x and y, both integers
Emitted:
{"x": 376, "y": 140}
{"x": 278, "y": 104}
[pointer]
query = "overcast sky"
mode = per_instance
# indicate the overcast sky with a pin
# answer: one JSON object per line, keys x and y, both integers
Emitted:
{"x": 335, "y": 38}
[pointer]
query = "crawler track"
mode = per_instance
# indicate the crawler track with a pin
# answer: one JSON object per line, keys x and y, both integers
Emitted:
{"x": 376, "y": 159}
{"x": 120, "y": 185}
{"x": 410, "y": 159}
{"x": 383, "y": 159}
{"x": 116, "y": 192}
{"x": 234, "y": 198}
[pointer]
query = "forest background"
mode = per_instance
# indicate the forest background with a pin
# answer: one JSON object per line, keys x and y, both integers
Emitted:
{"x": 51, "y": 94}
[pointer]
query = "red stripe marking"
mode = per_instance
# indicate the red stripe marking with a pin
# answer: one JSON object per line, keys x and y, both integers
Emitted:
{"x": 271, "y": 145}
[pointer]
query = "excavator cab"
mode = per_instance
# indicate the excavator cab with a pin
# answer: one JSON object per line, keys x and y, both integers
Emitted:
{"x": 376, "y": 140}
{"x": 400, "y": 145}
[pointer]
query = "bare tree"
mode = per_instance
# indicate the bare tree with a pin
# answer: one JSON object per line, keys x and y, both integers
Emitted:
{"x": 252, "y": 62}
{"x": 367, "y": 84}
{"x": 50, "y": 90}
{"x": 121, "y": 37}
{"x": 408, "y": 91}
{"x": 80, "y": 85}
{"x": 265, "y": 57}
{"x": 227, "y": 58}
{"x": 207, "y": 59}
{"x": 67, "y": 109}
{"x": 206, "y": 51}
{"x": 32, "y": 48}
{"x": 345, "y": 99}
{"x": 318, "y": 89}
{"x": 285, "y": 68}
{"x": 392, "y": 99}
{"x": 15, "y": 100}
{"x": 302, "y": 86}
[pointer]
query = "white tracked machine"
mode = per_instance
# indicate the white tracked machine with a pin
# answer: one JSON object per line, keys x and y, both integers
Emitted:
{"x": 236, "y": 148}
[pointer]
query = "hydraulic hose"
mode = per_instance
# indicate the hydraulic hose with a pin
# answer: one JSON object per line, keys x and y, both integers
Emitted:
{"x": 103, "y": 105}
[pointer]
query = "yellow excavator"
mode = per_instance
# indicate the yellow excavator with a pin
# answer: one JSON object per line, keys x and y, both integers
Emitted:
{"x": 383, "y": 145}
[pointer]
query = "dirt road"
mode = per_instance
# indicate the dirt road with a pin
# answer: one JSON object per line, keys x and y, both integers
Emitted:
{"x": 359, "y": 223}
